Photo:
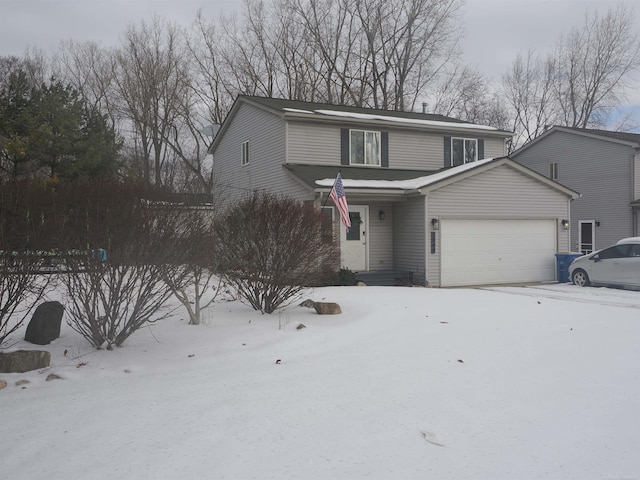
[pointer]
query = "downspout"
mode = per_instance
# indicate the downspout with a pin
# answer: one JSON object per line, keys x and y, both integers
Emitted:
{"x": 427, "y": 239}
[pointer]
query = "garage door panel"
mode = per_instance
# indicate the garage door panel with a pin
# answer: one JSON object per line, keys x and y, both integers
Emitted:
{"x": 476, "y": 252}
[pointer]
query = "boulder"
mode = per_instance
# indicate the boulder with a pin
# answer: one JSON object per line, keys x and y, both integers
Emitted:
{"x": 24, "y": 361}
{"x": 327, "y": 308}
{"x": 3, "y": 384}
{"x": 44, "y": 326}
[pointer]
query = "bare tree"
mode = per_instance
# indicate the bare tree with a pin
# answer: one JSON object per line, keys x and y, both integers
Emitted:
{"x": 594, "y": 64}
{"x": 152, "y": 82}
{"x": 528, "y": 88}
{"x": 91, "y": 70}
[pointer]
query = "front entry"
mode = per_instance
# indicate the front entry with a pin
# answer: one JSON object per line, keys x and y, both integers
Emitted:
{"x": 353, "y": 244}
{"x": 587, "y": 236}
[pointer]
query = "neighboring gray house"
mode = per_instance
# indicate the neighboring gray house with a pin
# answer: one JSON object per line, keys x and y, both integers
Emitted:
{"x": 420, "y": 198}
{"x": 604, "y": 167}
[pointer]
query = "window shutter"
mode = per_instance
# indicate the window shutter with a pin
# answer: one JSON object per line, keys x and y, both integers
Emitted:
{"x": 480, "y": 149}
{"x": 344, "y": 146}
{"x": 384, "y": 149}
{"x": 447, "y": 151}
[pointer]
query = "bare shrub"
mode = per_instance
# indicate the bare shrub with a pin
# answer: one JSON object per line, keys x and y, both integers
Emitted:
{"x": 21, "y": 263}
{"x": 271, "y": 247}
{"x": 146, "y": 240}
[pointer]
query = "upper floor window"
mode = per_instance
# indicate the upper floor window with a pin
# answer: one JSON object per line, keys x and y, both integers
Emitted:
{"x": 463, "y": 150}
{"x": 245, "y": 153}
{"x": 553, "y": 170}
{"x": 364, "y": 147}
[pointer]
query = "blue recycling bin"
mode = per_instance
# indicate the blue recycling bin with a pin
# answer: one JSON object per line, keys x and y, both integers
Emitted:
{"x": 563, "y": 260}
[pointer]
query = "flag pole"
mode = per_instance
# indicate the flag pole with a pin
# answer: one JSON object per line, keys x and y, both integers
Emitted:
{"x": 329, "y": 192}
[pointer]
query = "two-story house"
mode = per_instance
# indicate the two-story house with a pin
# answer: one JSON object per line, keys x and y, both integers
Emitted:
{"x": 427, "y": 194}
{"x": 604, "y": 167}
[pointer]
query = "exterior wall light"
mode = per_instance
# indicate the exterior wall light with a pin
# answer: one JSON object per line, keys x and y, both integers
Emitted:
{"x": 435, "y": 223}
{"x": 565, "y": 224}
{"x": 381, "y": 214}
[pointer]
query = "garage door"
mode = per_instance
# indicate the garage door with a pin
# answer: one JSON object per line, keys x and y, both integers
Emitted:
{"x": 477, "y": 252}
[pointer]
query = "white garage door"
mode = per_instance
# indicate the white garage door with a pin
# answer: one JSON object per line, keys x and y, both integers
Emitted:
{"x": 477, "y": 252}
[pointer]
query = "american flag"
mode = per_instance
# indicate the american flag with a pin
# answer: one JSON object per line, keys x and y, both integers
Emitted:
{"x": 340, "y": 201}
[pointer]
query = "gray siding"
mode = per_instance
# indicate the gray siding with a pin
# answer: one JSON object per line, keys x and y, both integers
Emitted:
{"x": 266, "y": 135}
{"x": 409, "y": 240}
{"x": 319, "y": 143}
{"x": 499, "y": 193}
{"x": 601, "y": 171}
{"x": 380, "y": 237}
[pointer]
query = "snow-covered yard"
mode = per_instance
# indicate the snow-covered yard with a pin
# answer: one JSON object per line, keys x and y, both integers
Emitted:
{"x": 408, "y": 383}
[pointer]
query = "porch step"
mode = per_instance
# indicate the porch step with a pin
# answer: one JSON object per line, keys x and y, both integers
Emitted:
{"x": 385, "y": 278}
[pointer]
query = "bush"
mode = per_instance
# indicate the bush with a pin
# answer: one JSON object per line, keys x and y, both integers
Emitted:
{"x": 271, "y": 247}
{"x": 345, "y": 278}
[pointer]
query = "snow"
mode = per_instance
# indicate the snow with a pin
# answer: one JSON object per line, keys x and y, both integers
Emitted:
{"x": 414, "y": 121}
{"x": 537, "y": 382}
{"x": 411, "y": 184}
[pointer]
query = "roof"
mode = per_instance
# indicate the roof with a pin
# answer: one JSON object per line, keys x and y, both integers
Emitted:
{"x": 309, "y": 174}
{"x": 361, "y": 179}
{"x": 299, "y": 110}
{"x": 627, "y": 138}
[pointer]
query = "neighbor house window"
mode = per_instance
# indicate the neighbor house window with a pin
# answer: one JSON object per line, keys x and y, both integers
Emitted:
{"x": 245, "y": 153}
{"x": 463, "y": 150}
{"x": 365, "y": 147}
{"x": 553, "y": 170}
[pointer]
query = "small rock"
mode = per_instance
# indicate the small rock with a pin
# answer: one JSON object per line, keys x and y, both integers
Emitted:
{"x": 460, "y": 361}
{"x": 301, "y": 326}
{"x": 327, "y": 308}
{"x": 278, "y": 361}
{"x": 21, "y": 382}
{"x": 360, "y": 283}
{"x": 53, "y": 376}
{"x": 3, "y": 384}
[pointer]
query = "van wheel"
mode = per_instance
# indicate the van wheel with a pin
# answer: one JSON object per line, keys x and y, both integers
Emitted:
{"x": 580, "y": 278}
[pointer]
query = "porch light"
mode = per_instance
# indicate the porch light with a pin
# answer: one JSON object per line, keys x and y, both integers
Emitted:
{"x": 435, "y": 223}
{"x": 381, "y": 214}
{"x": 565, "y": 224}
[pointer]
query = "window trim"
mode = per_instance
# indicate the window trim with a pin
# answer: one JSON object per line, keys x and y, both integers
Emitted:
{"x": 364, "y": 153}
{"x": 464, "y": 150}
{"x": 244, "y": 153}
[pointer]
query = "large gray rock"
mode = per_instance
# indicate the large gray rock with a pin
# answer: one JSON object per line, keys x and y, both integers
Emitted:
{"x": 24, "y": 361}
{"x": 44, "y": 326}
{"x": 327, "y": 308}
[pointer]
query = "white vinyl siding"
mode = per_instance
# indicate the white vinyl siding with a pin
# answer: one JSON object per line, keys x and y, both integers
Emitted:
{"x": 265, "y": 133}
{"x": 319, "y": 143}
{"x": 409, "y": 245}
{"x": 501, "y": 193}
{"x": 381, "y": 236}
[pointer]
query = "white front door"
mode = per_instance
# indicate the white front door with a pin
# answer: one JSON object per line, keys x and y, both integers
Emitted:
{"x": 353, "y": 244}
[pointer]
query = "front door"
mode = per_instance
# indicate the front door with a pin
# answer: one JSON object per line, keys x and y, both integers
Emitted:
{"x": 586, "y": 236}
{"x": 353, "y": 244}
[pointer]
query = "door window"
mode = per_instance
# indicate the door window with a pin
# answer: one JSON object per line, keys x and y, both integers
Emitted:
{"x": 354, "y": 231}
{"x": 587, "y": 236}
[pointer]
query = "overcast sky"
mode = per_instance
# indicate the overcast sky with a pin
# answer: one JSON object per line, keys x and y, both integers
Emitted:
{"x": 496, "y": 29}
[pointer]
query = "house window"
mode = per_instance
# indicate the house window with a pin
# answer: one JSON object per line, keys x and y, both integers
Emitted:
{"x": 463, "y": 150}
{"x": 365, "y": 147}
{"x": 553, "y": 170}
{"x": 245, "y": 153}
